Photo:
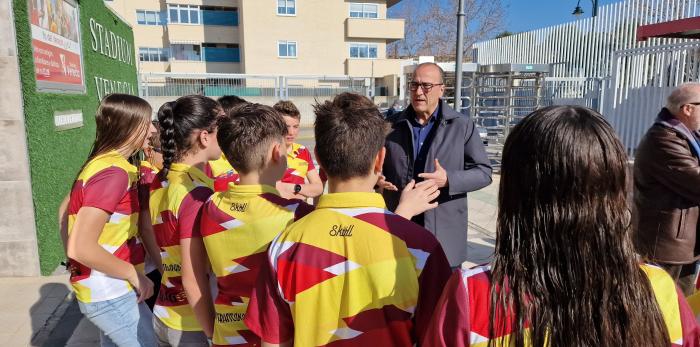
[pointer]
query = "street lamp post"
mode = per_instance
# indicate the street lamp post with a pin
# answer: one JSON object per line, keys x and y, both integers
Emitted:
{"x": 578, "y": 11}
{"x": 459, "y": 57}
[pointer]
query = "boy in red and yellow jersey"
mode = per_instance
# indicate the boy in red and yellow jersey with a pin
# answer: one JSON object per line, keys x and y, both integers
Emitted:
{"x": 238, "y": 225}
{"x": 220, "y": 170}
{"x": 350, "y": 272}
{"x": 301, "y": 179}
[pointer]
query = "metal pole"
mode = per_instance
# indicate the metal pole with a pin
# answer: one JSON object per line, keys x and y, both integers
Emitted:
{"x": 595, "y": 7}
{"x": 371, "y": 83}
{"x": 460, "y": 56}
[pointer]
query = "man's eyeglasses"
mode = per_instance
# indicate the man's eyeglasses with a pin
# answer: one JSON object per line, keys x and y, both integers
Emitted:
{"x": 693, "y": 103}
{"x": 413, "y": 86}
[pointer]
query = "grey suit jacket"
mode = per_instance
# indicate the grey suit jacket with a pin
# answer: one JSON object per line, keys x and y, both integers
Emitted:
{"x": 461, "y": 153}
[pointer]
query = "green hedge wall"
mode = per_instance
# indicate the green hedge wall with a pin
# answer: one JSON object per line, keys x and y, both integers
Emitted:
{"x": 55, "y": 156}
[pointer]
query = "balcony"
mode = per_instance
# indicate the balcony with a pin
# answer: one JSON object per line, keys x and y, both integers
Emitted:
{"x": 186, "y": 66}
{"x": 383, "y": 29}
{"x": 187, "y": 33}
{"x": 372, "y": 67}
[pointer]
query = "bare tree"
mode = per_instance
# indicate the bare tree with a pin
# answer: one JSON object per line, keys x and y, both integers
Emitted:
{"x": 431, "y": 26}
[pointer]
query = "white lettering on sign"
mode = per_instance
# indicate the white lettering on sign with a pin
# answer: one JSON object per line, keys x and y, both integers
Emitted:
{"x": 105, "y": 86}
{"x": 64, "y": 120}
{"x": 110, "y": 44}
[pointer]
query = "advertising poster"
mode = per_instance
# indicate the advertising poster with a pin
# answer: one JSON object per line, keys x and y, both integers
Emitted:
{"x": 58, "y": 63}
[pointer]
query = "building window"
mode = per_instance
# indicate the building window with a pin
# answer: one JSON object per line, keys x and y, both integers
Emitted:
{"x": 221, "y": 52}
{"x": 216, "y": 15}
{"x": 145, "y": 17}
{"x": 287, "y": 49}
{"x": 186, "y": 52}
{"x": 153, "y": 54}
{"x": 286, "y": 7}
{"x": 184, "y": 14}
{"x": 364, "y": 10}
{"x": 363, "y": 50}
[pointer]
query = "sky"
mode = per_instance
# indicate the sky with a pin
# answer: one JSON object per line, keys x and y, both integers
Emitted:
{"x": 525, "y": 15}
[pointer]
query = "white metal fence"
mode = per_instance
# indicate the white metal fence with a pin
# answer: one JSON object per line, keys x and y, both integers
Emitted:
{"x": 304, "y": 91}
{"x": 581, "y": 91}
{"x": 641, "y": 80}
{"x": 597, "y": 62}
{"x": 586, "y": 47}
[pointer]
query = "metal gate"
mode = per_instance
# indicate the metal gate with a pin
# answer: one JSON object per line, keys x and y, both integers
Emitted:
{"x": 497, "y": 101}
{"x": 642, "y": 79}
{"x": 579, "y": 91}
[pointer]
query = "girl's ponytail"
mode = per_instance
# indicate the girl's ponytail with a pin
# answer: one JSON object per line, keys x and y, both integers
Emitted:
{"x": 166, "y": 119}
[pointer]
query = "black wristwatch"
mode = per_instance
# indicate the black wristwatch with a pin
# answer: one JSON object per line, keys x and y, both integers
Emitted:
{"x": 297, "y": 188}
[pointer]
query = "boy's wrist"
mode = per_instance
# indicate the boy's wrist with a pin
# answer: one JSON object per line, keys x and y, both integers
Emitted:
{"x": 133, "y": 276}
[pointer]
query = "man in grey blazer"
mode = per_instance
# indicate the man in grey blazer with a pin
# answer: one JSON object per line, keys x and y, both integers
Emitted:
{"x": 430, "y": 140}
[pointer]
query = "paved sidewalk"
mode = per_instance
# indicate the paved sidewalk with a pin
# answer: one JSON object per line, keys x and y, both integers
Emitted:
{"x": 481, "y": 231}
{"x": 29, "y": 306}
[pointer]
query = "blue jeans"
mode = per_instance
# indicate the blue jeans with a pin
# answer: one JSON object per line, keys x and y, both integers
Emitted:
{"x": 122, "y": 322}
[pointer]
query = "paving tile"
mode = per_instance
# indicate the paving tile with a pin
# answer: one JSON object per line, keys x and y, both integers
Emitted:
{"x": 25, "y": 305}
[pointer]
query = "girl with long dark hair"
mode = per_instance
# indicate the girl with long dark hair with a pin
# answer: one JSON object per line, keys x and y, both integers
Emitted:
{"x": 103, "y": 213}
{"x": 564, "y": 272}
{"x": 184, "y": 309}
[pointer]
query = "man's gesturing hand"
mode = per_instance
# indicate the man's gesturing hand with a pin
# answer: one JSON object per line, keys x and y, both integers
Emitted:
{"x": 439, "y": 175}
{"x": 383, "y": 184}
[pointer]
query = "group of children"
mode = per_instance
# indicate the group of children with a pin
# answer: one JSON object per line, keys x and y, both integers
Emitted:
{"x": 245, "y": 261}
{"x": 240, "y": 257}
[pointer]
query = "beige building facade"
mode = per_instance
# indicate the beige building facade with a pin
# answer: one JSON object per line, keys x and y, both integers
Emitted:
{"x": 266, "y": 37}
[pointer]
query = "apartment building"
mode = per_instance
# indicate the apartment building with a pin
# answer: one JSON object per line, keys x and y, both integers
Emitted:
{"x": 266, "y": 37}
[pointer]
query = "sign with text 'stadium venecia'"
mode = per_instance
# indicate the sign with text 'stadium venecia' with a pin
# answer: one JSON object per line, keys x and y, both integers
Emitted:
{"x": 56, "y": 46}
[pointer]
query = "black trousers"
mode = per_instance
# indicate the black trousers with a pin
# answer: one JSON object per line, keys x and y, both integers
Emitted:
{"x": 155, "y": 276}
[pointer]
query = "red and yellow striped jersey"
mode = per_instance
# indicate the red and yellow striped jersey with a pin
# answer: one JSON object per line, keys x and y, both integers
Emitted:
{"x": 350, "y": 273}
{"x": 107, "y": 182}
{"x": 174, "y": 205}
{"x": 237, "y": 226}
{"x": 299, "y": 163}
{"x": 461, "y": 317}
{"x": 222, "y": 172}
{"x": 147, "y": 172}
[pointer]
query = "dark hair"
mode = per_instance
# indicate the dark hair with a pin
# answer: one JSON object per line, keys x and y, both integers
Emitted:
{"x": 564, "y": 262}
{"x": 287, "y": 108}
{"x": 229, "y": 102}
{"x": 349, "y": 132}
{"x": 245, "y": 136}
{"x": 119, "y": 117}
{"x": 178, "y": 119}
